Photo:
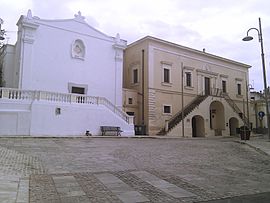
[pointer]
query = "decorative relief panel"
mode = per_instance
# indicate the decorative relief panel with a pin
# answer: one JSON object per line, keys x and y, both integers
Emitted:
{"x": 78, "y": 49}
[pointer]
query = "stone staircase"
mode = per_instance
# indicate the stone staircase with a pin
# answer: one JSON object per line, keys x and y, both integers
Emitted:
{"x": 178, "y": 117}
{"x": 236, "y": 109}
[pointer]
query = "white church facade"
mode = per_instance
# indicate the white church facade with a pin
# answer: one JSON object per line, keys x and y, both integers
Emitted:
{"x": 61, "y": 78}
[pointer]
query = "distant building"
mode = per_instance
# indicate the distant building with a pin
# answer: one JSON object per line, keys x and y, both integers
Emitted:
{"x": 178, "y": 91}
{"x": 258, "y": 111}
{"x": 62, "y": 77}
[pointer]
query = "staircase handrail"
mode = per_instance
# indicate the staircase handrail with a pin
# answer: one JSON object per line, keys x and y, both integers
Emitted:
{"x": 115, "y": 109}
{"x": 236, "y": 108}
{"x": 179, "y": 113}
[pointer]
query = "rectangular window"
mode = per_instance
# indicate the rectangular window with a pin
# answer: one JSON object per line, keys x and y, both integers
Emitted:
{"x": 135, "y": 76}
{"x": 188, "y": 79}
{"x": 224, "y": 86}
{"x": 239, "y": 89}
{"x": 166, "y": 75}
{"x": 130, "y": 100}
{"x": 130, "y": 113}
{"x": 78, "y": 90}
{"x": 167, "y": 109}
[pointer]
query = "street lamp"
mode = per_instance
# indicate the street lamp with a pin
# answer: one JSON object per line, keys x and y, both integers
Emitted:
{"x": 248, "y": 38}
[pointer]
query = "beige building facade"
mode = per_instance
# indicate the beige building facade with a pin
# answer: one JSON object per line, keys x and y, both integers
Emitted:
{"x": 178, "y": 91}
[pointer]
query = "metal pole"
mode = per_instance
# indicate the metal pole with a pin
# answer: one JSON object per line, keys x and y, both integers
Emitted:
{"x": 247, "y": 90}
{"x": 183, "y": 124}
{"x": 244, "y": 119}
{"x": 264, "y": 78}
{"x": 256, "y": 114}
{"x": 143, "y": 88}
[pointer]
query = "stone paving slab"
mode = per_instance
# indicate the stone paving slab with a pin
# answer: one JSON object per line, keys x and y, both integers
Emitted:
{"x": 122, "y": 190}
{"x": 108, "y": 187}
{"x": 163, "y": 185}
{"x": 14, "y": 189}
{"x": 23, "y": 191}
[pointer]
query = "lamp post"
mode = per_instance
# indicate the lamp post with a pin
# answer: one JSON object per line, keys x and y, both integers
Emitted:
{"x": 248, "y": 88}
{"x": 248, "y": 38}
{"x": 182, "y": 115}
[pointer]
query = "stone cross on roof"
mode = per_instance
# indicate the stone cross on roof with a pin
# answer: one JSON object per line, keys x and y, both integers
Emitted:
{"x": 79, "y": 16}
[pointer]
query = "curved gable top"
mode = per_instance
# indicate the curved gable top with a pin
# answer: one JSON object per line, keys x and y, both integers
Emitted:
{"x": 76, "y": 25}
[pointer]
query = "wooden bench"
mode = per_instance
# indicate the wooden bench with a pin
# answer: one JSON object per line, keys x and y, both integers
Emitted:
{"x": 105, "y": 129}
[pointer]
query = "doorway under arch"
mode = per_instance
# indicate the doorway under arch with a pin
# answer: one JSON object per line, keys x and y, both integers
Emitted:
{"x": 198, "y": 129}
{"x": 217, "y": 117}
{"x": 233, "y": 124}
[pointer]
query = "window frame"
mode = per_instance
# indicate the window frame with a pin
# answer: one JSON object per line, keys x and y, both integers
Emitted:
{"x": 166, "y": 68}
{"x": 188, "y": 80}
{"x": 188, "y": 70}
{"x": 166, "y": 75}
{"x": 224, "y": 88}
{"x": 74, "y": 85}
{"x": 239, "y": 89}
{"x": 167, "y": 106}
{"x": 133, "y": 76}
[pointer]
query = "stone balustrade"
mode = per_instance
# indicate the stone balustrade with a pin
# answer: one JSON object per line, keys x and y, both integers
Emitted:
{"x": 18, "y": 94}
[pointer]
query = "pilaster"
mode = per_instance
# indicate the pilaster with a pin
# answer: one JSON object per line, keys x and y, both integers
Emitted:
{"x": 119, "y": 46}
{"x": 28, "y": 27}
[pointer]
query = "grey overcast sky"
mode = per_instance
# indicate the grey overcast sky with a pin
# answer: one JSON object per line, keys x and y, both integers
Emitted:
{"x": 216, "y": 25}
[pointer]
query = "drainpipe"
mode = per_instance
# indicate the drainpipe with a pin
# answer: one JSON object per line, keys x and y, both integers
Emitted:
{"x": 183, "y": 125}
{"x": 244, "y": 118}
{"x": 256, "y": 114}
{"x": 143, "y": 87}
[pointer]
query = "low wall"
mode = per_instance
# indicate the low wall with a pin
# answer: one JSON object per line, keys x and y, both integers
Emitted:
{"x": 42, "y": 118}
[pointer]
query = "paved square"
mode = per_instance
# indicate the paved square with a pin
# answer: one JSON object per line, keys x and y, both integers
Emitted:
{"x": 129, "y": 170}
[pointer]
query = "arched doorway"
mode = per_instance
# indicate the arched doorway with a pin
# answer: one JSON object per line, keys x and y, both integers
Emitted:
{"x": 198, "y": 126}
{"x": 217, "y": 117}
{"x": 233, "y": 124}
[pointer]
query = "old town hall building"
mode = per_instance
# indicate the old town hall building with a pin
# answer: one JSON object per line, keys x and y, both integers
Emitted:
{"x": 179, "y": 91}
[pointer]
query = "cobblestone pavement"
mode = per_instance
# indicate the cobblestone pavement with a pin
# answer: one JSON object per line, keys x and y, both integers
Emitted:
{"x": 260, "y": 142}
{"x": 129, "y": 170}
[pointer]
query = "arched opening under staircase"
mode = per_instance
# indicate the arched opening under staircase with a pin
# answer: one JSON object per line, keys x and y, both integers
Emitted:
{"x": 233, "y": 124}
{"x": 198, "y": 129}
{"x": 217, "y": 117}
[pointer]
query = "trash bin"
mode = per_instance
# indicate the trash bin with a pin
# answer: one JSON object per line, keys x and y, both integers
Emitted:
{"x": 244, "y": 133}
{"x": 140, "y": 129}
